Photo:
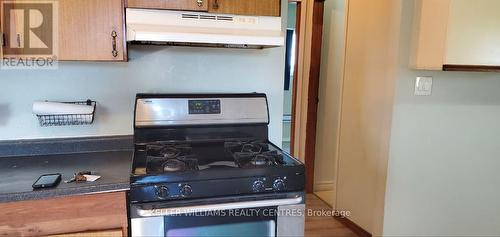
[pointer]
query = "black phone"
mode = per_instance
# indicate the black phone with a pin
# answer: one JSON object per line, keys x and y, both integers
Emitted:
{"x": 47, "y": 181}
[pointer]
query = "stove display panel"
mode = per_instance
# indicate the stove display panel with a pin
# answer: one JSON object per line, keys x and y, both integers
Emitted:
{"x": 204, "y": 107}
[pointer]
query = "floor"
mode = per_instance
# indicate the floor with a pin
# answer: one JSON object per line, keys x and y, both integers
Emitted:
{"x": 323, "y": 226}
{"x": 326, "y": 196}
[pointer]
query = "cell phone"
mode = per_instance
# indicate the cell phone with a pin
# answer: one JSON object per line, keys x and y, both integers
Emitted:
{"x": 47, "y": 181}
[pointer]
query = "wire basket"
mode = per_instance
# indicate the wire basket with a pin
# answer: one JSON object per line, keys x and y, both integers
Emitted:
{"x": 69, "y": 119}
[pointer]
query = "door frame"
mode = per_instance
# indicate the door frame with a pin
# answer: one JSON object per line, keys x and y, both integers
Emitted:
{"x": 306, "y": 84}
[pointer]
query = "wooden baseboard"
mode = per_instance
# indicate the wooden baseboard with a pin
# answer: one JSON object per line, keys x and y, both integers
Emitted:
{"x": 324, "y": 186}
{"x": 353, "y": 227}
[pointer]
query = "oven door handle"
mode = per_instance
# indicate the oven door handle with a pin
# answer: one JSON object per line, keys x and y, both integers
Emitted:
{"x": 217, "y": 207}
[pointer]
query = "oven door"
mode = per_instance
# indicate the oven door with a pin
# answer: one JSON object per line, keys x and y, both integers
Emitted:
{"x": 276, "y": 217}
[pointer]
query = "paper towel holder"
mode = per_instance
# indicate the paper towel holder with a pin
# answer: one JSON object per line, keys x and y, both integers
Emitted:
{"x": 69, "y": 119}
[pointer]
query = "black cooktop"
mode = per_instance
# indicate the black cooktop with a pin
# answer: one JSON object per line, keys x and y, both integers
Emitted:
{"x": 166, "y": 158}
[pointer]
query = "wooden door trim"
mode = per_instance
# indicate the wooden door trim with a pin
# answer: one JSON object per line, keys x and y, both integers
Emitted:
{"x": 305, "y": 105}
{"x": 312, "y": 95}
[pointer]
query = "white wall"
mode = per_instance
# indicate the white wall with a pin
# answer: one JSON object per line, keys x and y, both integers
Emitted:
{"x": 151, "y": 69}
{"x": 443, "y": 176}
{"x": 332, "y": 62}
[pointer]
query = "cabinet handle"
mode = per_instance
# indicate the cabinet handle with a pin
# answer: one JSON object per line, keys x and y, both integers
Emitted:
{"x": 114, "y": 35}
{"x": 18, "y": 40}
{"x": 4, "y": 43}
{"x": 200, "y": 3}
{"x": 215, "y": 6}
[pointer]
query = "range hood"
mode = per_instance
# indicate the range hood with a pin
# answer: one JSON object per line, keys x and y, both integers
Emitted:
{"x": 167, "y": 27}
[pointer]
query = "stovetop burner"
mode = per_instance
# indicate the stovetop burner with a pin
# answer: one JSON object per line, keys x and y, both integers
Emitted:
{"x": 254, "y": 159}
{"x": 164, "y": 165}
{"x": 172, "y": 165}
{"x": 167, "y": 151}
{"x": 246, "y": 146}
{"x": 164, "y": 158}
{"x": 251, "y": 154}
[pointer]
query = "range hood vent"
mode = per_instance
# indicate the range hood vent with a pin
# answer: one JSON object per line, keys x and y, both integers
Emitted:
{"x": 164, "y": 27}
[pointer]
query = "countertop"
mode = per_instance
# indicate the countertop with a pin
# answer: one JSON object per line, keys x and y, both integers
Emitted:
{"x": 18, "y": 173}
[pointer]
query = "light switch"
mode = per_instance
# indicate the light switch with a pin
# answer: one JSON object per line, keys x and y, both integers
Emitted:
{"x": 423, "y": 86}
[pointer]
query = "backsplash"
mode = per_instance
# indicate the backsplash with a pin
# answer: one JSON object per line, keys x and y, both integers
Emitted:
{"x": 151, "y": 69}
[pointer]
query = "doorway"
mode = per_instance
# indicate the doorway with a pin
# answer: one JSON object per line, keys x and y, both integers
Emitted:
{"x": 330, "y": 92}
{"x": 302, "y": 80}
{"x": 290, "y": 74}
{"x": 316, "y": 33}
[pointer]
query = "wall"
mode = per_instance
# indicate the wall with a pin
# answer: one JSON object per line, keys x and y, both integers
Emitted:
{"x": 151, "y": 69}
{"x": 367, "y": 103}
{"x": 332, "y": 69}
{"x": 443, "y": 172}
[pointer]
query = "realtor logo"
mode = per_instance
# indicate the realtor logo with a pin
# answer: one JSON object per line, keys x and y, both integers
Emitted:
{"x": 29, "y": 34}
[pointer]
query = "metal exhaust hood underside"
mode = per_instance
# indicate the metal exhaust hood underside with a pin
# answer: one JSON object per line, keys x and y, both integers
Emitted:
{"x": 164, "y": 27}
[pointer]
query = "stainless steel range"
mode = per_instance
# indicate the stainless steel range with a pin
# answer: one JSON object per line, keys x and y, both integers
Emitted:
{"x": 203, "y": 166}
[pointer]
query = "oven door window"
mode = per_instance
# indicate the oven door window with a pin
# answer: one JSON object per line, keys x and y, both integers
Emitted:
{"x": 240, "y": 222}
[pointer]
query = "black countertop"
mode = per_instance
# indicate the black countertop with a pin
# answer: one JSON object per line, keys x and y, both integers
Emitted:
{"x": 18, "y": 173}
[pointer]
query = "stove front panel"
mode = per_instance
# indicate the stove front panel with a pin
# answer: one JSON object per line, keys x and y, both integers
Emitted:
{"x": 191, "y": 190}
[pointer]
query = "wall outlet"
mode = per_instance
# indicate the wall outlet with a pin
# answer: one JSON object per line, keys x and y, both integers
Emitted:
{"x": 423, "y": 86}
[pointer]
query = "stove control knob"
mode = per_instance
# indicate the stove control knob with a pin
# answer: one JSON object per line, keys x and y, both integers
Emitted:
{"x": 279, "y": 185}
{"x": 258, "y": 186}
{"x": 162, "y": 192}
{"x": 186, "y": 190}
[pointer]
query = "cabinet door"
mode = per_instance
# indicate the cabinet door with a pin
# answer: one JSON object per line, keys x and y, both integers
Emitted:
{"x": 429, "y": 34}
{"x": 104, "y": 233}
{"x": 188, "y": 5}
{"x": 474, "y": 33}
{"x": 13, "y": 29}
{"x": 91, "y": 30}
{"x": 246, "y": 7}
{"x": 72, "y": 214}
{"x": 27, "y": 29}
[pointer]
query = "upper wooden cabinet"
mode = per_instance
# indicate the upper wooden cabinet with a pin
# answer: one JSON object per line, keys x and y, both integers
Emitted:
{"x": 429, "y": 36}
{"x": 91, "y": 30}
{"x": 457, "y": 35}
{"x": 84, "y": 30}
{"x": 187, "y": 5}
{"x": 237, "y": 7}
{"x": 473, "y": 33}
{"x": 246, "y": 7}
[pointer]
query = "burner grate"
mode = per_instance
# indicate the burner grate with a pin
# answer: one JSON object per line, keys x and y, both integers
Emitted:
{"x": 168, "y": 151}
{"x": 167, "y": 157}
{"x": 252, "y": 154}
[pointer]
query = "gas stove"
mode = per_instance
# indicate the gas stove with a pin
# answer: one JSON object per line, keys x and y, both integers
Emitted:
{"x": 207, "y": 149}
